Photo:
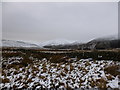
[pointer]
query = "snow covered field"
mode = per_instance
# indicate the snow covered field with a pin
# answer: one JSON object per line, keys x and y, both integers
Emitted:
{"x": 82, "y": 73}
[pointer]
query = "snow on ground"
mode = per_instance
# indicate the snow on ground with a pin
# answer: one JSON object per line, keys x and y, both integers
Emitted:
{"x": 83, "y": 73}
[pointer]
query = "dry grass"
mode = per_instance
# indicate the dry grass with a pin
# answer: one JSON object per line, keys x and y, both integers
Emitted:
{"x": 6, "y": 80}
{"x": 109, "y": 77}
{"x": 11, "y": 54}
{"x": 71, "y": 67}
{"x": 42, "y": 77}
{"x": 87, "y": 64}
{"x": 113, "y": 70}
{"x": 60, "y": 62}
{"x": 16, "y": 72}
{"x": 101, "y": 83}
{"x": 57, "y": 58}
{"x": 29, "y": 80}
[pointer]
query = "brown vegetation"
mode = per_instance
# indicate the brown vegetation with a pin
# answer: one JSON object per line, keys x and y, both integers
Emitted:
{"x": 113, "y": 70}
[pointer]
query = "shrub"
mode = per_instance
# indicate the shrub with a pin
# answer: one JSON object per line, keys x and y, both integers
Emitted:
{"x": 57, "y": 59}
{"x": 101, "y": 83}
{"x": 6, "y": 80}
{"x": 113, "y": 70}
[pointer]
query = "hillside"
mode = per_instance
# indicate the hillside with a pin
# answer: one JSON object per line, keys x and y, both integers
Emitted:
{"x": 100, "y": 43}
{"x": 12, "y": 43}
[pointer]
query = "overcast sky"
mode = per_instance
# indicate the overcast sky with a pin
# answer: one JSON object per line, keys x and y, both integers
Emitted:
{"x": 41, "y": 22}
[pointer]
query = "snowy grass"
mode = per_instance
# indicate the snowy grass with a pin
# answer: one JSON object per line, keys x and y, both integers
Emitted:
{"x": 53, "y": 69}
{"x": 83, "y": 73}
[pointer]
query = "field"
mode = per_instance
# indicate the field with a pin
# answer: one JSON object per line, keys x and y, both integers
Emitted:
{"x": 70, "y": 69}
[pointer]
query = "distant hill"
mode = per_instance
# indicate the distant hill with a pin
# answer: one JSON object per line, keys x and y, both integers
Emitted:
{"x": 109, "y": 42}
{"x": 12, "y": 43}
{"x": 99, "y": 43}
{"x": 58, "y": 42}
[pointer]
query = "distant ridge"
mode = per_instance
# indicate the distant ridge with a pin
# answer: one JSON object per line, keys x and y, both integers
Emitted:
{"x": 12, "y": 43}
{"x": 107, "y": 42}
{"x": 59, "y": 42}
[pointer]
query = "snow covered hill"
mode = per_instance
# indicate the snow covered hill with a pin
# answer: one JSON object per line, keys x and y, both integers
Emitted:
{"x": 64, "y": 43}
{"x": 59, "y": 42}
{"x": 12, "y": 43}
{"x": 106, "y": 42}
{"x": 110, "y": 37}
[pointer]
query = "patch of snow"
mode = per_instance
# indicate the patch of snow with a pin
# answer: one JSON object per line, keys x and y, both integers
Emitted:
{"x": 114, "y": 83}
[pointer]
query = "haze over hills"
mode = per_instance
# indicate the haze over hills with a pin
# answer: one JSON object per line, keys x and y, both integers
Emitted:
{"x": 60, "y": 42}
{"x": 107, "y": 42}
{"x": 13, "y": 43}
{"x": 99, "y": 43}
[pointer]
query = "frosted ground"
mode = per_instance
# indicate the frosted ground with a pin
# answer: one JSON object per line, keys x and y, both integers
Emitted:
{"x": 82, "y": 73}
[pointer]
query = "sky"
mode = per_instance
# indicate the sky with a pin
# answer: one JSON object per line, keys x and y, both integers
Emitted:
{"x": 43, "y": 21}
